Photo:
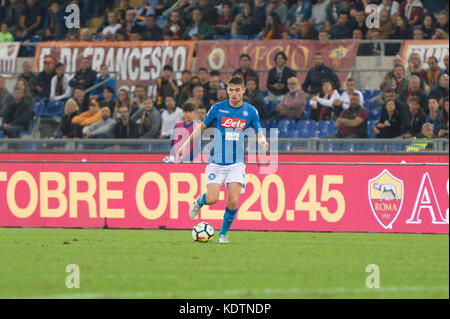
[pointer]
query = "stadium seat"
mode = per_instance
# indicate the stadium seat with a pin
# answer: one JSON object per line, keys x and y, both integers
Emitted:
{"x": 294, "y": 134}
{"x": 36, "y": 38}
{"x": 324, "y": 128}
{"x": 55, "y": 108}
{"x": 367, "y": 94}
{"x": 374, "y": 114}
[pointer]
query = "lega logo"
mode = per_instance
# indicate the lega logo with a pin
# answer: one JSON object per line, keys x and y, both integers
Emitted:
{"x": 212, "y": 176}
{"x": 386, "y": 198}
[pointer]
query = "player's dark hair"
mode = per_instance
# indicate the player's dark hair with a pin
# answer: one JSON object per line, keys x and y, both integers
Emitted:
{"x": 236, "y": 80}
{"x": 188, "y": 107}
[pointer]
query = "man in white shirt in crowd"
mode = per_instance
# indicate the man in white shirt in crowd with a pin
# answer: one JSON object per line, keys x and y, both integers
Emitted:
{"x": 113, "y": 26}
{"x": 344, "y": 101}
{"x": 171, "y": 116}
{"x": 60, "y": 88}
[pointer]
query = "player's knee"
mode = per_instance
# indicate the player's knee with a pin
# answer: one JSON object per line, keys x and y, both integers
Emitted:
{"x": 211, "y": 199}
{"x": 232, "y": 204}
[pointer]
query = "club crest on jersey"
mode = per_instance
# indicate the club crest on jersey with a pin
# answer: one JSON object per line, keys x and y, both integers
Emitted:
{"x": 229, "y": 122}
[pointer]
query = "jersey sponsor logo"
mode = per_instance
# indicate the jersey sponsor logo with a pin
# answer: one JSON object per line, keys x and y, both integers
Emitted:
{"x": 230, "y": 122}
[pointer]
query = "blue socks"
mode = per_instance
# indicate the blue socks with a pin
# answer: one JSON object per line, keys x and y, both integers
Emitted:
{"x": 227, "y": 220}
{"x": 202, "y": 200}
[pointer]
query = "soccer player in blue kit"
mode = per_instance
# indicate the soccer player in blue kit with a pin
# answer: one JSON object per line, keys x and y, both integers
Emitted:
{"x": 226, "y": 161}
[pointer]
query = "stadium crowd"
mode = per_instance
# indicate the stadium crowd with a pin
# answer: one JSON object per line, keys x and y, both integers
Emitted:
{"x": 412, "y": 101}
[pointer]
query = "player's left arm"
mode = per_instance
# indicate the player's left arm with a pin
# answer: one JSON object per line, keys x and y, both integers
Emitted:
{"x": 256, "y": 124}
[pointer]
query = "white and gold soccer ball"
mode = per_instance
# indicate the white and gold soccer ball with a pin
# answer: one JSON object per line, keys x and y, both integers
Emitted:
{"x": 203, "y": 232}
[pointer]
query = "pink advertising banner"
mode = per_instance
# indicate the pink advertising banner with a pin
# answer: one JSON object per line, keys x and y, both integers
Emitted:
{"x": 322, "y": 197}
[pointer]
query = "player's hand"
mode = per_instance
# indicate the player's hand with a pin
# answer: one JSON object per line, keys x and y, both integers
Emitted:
{"x": 181, "y": 154}
{"x": 263, "y": 142}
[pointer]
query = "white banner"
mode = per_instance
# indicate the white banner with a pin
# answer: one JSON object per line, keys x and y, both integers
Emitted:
{"x": 8, "y": 57}
{"x": 426, "y": 49}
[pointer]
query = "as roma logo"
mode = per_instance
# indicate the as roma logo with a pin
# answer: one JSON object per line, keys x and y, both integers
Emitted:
{"x": 386, "y": 198}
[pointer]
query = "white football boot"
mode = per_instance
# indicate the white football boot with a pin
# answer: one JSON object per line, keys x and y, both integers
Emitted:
{"x": 195, "y": 208}
{"x": 223, "y": 239}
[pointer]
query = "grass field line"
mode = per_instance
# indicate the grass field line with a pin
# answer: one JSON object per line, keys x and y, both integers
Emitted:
{"x": 238, "y": 292}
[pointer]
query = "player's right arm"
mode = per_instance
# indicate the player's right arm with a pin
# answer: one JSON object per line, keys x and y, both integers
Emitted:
{"x": 182, "y": 152}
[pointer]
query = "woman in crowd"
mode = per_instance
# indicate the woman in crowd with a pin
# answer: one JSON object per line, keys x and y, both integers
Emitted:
{"x": 123, "y": 99}
{"x": 443, "y": 131}
{"x": 322, "y": 105}
{"x": 70, "y": 111}
{"x": 390, "y": 123}
{"x": 274, "y": 29}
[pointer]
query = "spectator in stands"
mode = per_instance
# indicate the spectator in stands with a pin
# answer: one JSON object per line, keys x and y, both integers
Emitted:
{"x": 244, "y": 68}
{"x": 390, "y": 123}
{"x": 103, "y": 128}
{"x": 129, "y": 26}
{"x": 181, "y": 132}
{"x": 121, "y": 12}
{"x": 255, "y": 97}
{"x": 258, "y": 16}
{"x": 333, "y": 10}
{"x": 54, "y": 24}
{"x": 224, "y": 20}
{"x": 316, "y": 75}
{"x": 203, "y": 75}
{"x": 440, "y": 90}
{"x": 5, "y": 35}
{"x": 391, "y": 6}
{"x": 142, "y": 12}
{"x": 402, "y": 29}
{"x": 149, "y": 120}
{"x": 208, "y": 10}
{"x": 342, "y": 29}
{"x": 93, "y": 115}
{"x": 221, "y": 95}
{"x": 414, "y": 89}
{"x": 139, "y": 98}
{"x": 418, "y": 34}
{"x": 274, "y": 29}
{"x": 443, "y": 131}
{"x": 123, "y": 100}
{"x": 5, "y": 96}
{"x": 412, "y": 10}
{"x": 152, "y": 32}
{"x": 112, "y": 27}
{"x": 415, "y": 66}
{"x": 323, "y": 37}
{"x": 13, "y": 14}
{"x": 166, "y": 86}
{"x": 108, "y": 98}
{"x": 125, "y": 128}
{"x": 344, "y": 102}
{"x": 186, "y": 77}
{"x": 434, "y": 115}
{"x": 201, "y": 113}
{"x": 17, "y": 115}
{"x": 364, "y": 49}
{"x": 299, "y": 11}
{"x": 319, "y": 15}
{"x": 44, "y": 79}
{"x": 135, "y": 35}
{"x": 278, "y": 7}
{"x": 214, "y": 86}
{"x": 322, "y": 105}
{"x": 358, "y": 22}
{"x": 352, "y": 122}
{"x": 374, "y": 48}
{"x": 243, "y": 22}
{"x": 398, "y": 81}
{"x": 441, "y": 30}
{"x": 428, "y": 27}
{"x": 81, "y": 98}
{"x": 199, "y": 97}
{"x": 85, "y": 36}
{"x": 389, "y": 95}
{"x": 66, "y": 127}
{"x": 85, "y": 76}
{"x": 29, "y": 76}
{"x": 434, "y": 72}
{"x": 32, "y": 17}
{"x": 60, "y": 88}
{"x": 175, "y": 25}
{"x": 170, "y": 117}
{"x": 198, "y": 29}
{"x": 303, "y": 30}
{"x": 186, "y": 91}
{"x": 415, "y": 118}
{"x": 277, "y": 78}
{"x": 293, "y": 103}
{"x": 104, "y": 75}
{"x": 21, "y": 36}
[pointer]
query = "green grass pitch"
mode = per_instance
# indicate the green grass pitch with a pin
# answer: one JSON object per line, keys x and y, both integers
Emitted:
{"x": 169, "y": 264}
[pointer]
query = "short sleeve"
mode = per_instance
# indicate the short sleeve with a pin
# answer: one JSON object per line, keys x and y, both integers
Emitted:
{"x": 364, "y": 114}
{"x": 210, "y": 116}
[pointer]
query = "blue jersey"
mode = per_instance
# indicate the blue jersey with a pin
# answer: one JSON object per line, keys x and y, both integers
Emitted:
{"x": 230, "y": 124}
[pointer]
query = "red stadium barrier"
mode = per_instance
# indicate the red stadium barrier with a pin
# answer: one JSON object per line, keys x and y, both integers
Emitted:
{"x": 346, "y": 198}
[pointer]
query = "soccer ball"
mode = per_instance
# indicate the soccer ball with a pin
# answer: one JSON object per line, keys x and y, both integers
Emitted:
{"x": 203, "y": 232}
